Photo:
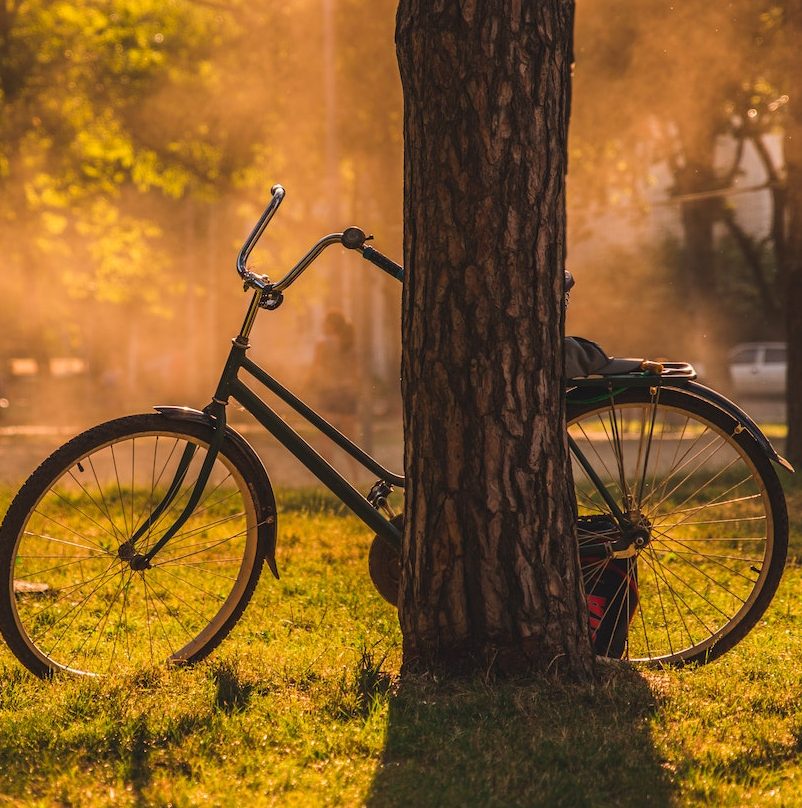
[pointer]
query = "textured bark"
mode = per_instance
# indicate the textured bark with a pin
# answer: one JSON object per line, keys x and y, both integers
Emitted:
{"x": 792, "y": 270}
{"x": 490, "y": 571}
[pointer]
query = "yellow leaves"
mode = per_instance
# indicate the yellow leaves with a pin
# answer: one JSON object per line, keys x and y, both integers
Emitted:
{"x": 205, "y": 69}
{"x": 772, "y": 19}
{"x": 148, "y": 171}
{"x": 54, "y": 223}
{"x": 126, "y": 261}
{"x": 101, "y": 145}
{"x": 42, "y": 191}
{"x": 80, "y": 16}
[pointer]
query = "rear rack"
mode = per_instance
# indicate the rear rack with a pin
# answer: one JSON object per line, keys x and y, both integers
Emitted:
{"x": 671, "y": 373}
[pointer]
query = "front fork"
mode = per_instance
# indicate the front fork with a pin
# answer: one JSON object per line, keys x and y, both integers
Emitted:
{"x": 127, "y": 551}
{"x": 216, "y": 410}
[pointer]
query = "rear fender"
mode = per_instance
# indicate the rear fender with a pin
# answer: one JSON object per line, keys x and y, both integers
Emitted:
{"x": 259, "y": 482}
{"x": 742, "y": 419}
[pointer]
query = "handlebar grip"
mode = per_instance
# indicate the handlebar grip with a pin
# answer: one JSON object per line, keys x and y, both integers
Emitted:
{"x": 383, "y": 263}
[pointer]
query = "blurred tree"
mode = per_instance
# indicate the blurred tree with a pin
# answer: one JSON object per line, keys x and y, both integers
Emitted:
{"x": 73, "y": 82}
{"x": 490, "y": 574}
{"x": 370, "y": 128}
{"x": 73, "y": 79}
{"x": 111, "y": 117}
{"x": 792, "y": 249}
{"x": 659, "y": 84}
{"x": 675, "y": 80}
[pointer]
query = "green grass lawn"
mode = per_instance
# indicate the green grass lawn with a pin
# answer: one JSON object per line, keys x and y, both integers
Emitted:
{"x": 302, "y": 706}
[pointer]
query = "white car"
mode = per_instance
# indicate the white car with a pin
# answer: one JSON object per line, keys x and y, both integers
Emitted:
{"x": 759, "y": 368}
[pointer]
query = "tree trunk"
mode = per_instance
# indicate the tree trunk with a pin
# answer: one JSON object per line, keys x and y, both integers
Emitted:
{"x": 698, "y": 218}
{"x": 490, "y": 573}
{"x": 793, "y": 251}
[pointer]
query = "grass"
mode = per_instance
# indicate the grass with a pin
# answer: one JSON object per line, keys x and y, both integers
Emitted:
{"x": 302, "y": 706}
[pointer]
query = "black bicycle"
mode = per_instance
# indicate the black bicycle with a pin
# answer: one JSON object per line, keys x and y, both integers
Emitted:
{"x": 141, "y": 540}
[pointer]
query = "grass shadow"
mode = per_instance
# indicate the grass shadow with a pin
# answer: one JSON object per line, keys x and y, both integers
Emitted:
{"x": 522, "y": 744}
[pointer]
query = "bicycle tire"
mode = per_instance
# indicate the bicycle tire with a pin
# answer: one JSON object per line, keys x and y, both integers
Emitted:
{"x": 713, "y": 510}
{"x": 72, "y": 601}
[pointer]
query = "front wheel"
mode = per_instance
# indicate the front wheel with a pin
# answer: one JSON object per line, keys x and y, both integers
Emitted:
{"x": 709, "y": 527}
{"x": 74, "y": 598}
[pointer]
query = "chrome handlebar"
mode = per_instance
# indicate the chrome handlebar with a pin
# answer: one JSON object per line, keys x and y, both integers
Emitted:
{"x": 277, "y": 192}
{"x": 353, "y": 238}
{"x": 314, "y": 252}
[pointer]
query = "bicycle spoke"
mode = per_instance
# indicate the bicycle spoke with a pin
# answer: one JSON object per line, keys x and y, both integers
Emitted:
{"x": 188, "y": 605}
{"x": 656, "y": 568}
{"x": 75, "y": 532}
{"x": 706, "y": 574}
{"x": 678, "y": 464}
{"x": 182, "y": 546}
{"x": 127, "y": 533}
{"x": 197, "y": 588}
{"x": 153, "y": 597}
{"x": 207, "y": 572}
{"x": 147, "y": 615}
{"x": 76, "y": 610}
{"x": 94, "y": 502}
{"x": 717, "y": 501}
{"x": 46, "y": 537}
{"x": 105, "y": 507}
{"x": 100, "y": 626}
{"x": 62, "y": 593}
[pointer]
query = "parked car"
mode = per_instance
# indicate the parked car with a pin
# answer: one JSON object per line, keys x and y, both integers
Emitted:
{"x": 759, "y": 368}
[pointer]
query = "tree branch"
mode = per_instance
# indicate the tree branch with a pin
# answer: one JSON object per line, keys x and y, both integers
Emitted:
{"x": 765, "y": 158}
{"x": 753, "y": 260}
{"x": 729, "y": 175}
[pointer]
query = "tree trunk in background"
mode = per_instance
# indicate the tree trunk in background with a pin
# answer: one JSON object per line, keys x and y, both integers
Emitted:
{"x": 698, "y": 217}
{"x": 793, "y": 256}
{"x": 490, "y": 573}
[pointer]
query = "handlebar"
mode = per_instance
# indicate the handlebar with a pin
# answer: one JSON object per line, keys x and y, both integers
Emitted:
{"x": 353, "y": 238}
{"x": 277, "y": 192}
{"x": 384, "y": 263}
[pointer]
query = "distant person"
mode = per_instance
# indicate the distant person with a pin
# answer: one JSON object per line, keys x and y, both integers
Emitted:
{"x": 334, "y": 381}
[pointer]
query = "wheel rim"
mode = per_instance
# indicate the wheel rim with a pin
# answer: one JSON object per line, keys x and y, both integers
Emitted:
{"x": 709, "y": 523}
{"x": 79, "y": 606}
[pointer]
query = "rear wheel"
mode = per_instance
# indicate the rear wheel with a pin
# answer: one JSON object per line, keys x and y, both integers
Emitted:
{"x": 709, "y": 526}
{"x": 75, "y": 599}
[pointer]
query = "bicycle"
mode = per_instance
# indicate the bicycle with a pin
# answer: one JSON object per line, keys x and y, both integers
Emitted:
{"x": 682, "y": 523}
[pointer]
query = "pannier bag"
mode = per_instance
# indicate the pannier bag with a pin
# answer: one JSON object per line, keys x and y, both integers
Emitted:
{"x": 611, "y": 586}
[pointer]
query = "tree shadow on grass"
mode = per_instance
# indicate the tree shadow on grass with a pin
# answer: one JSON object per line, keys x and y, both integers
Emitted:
{"x": 522, "y": 744}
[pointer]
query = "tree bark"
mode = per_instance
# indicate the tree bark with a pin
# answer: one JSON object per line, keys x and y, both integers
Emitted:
{"x": 792, "y": 270}
{"x": 490, "y": 573}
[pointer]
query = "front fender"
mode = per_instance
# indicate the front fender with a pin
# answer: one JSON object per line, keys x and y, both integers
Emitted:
{"x": 258, "y": 480}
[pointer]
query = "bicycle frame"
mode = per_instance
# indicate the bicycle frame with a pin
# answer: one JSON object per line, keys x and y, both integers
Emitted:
{"x": 269, "y": 296}
{"x": 231, "y": 386}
